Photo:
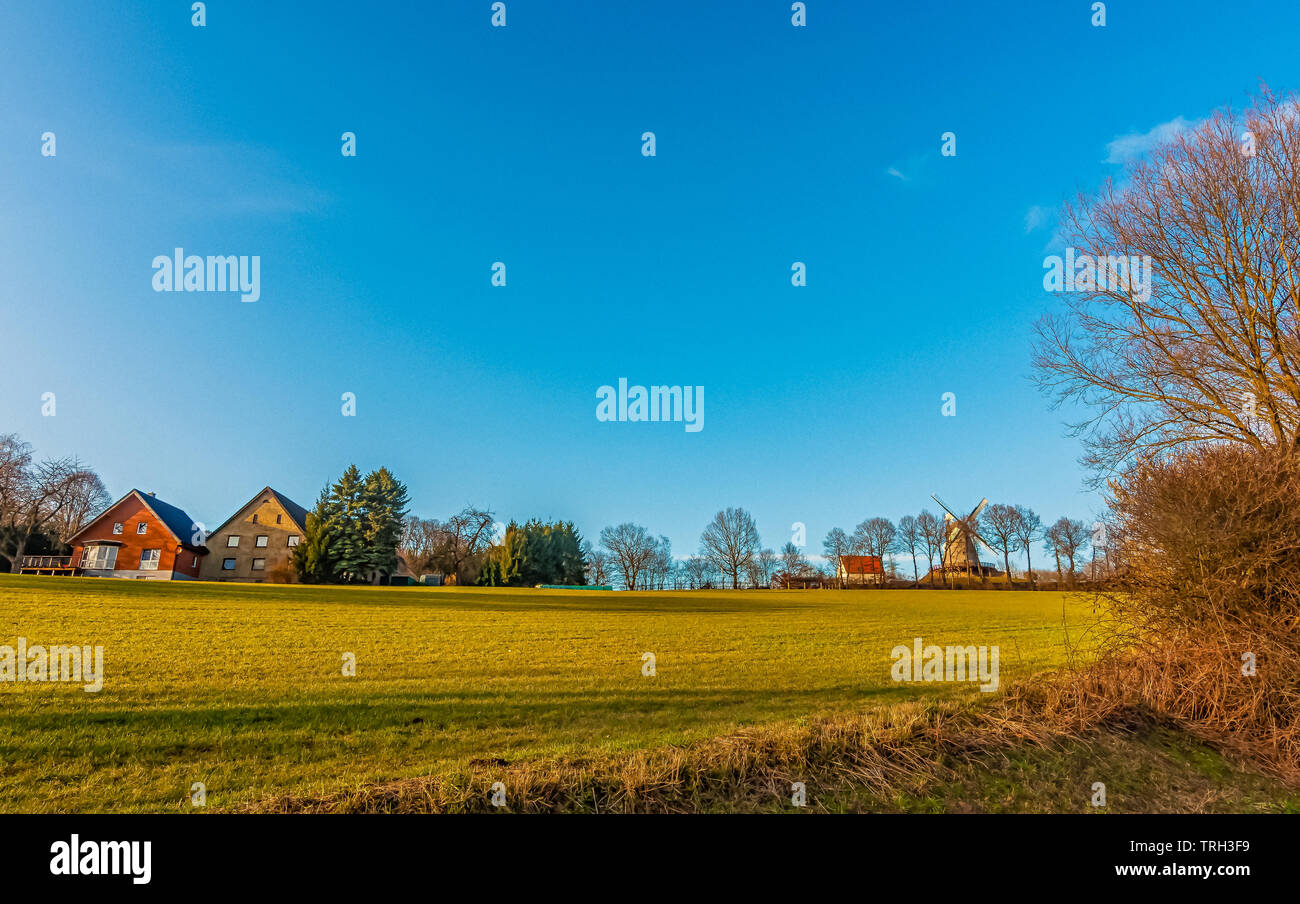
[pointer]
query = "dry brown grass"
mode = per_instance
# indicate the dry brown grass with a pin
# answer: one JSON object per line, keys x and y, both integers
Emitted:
{"x": 882, "y": 756}
{"x": 1188, "y": 683}
{"x": 879, "y": 751}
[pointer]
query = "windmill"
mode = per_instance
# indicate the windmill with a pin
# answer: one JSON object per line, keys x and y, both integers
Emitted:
{"x": 960, "y": 535}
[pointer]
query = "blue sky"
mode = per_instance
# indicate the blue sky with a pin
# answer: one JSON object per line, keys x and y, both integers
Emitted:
{"x": 476, "y": 144}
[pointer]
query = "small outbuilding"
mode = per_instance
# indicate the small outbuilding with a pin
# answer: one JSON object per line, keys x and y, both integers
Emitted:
{"x": 856, "y": 570}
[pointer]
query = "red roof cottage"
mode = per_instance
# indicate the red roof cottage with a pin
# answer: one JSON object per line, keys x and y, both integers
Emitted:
{"x": 860, "y": 570}
{"x": 139, "y": 536}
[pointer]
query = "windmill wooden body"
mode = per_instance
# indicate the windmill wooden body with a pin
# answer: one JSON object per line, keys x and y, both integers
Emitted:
{"x": 961, "y": 535}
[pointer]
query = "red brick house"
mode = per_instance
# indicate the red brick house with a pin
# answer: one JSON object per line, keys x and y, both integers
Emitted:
{"x": 141, "y": 537}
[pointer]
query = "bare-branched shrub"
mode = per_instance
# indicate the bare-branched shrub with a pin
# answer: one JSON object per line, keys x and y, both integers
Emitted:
{"x": 1208, "y": 546}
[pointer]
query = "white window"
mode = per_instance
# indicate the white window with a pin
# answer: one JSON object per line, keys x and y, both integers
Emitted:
{"x": 227, "y": 564}
{"x": 141, "y": 526}
{"x": 293, "y": 540}
{"x": 261, "y": 542}
{"x": 99, "y": 558}
{"x": 259, "y": 564}
{"x": 117, "y": 527}
{"x": 149, "y": 559}
{"x": 232, "y": 542}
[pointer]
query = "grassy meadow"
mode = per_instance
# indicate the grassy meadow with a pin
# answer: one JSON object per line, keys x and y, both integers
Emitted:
{"x": 241, "y": 686}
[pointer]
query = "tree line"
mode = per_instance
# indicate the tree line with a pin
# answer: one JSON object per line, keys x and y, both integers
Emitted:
{"x": 731, "y": 553}
{"x": 1007, "y": 529}
{"x": 465, "y": 548}
{"x": 360, "y": 525}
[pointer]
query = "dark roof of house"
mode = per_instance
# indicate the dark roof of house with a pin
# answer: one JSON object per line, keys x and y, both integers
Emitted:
{"x": 296, "y": 511}
{"x": 179, "y": 523}
{"x": 173, "y": 518}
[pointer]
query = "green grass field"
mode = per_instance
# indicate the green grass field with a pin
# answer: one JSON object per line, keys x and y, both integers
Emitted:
{"x": 241, "y": 686}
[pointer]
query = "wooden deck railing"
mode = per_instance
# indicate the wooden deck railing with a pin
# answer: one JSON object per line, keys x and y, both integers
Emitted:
{"x": 46, "y": 563}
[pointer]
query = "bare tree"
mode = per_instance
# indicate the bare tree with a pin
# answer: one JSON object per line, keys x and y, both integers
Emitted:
{"x": 598, "y": 564}
{"x": 419, "y": 544}
{"x": 460, "y": 543}
{"x": 999, "y": 523}
{"x": 767, "y": 562}
{"x": 696, "y": 571}
{"x": 85, "y": 498}
{"x": 730, "y": 542}
{"x": 632, "y": 549}
{"x": 1063, "y": 540}
{"x": 1207, "y": 349}
{"x": 15, "y": 460}
{"x": 44, "y": 492}
{"x": 761, "y": 568}
{"x": 793, "y": 559}
{"x": 1028, "y": 530}
{"x": 660, "y": 567}
{"x": 1069, "y": 537}
{"x": 876, "y": 537}
{"x": 930, "y": 531}
{"x": 1052, "y": 543}
{"x": 836, "y": 545}
{"x": 909, "y": 539}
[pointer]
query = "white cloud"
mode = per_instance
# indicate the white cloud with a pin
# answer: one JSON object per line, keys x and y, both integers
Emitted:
{"x": 1135, "y": 144}
{"x": 232, "y": 178}
{"x": 1037, "y": 217}
{"x": 893, "y": 171}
